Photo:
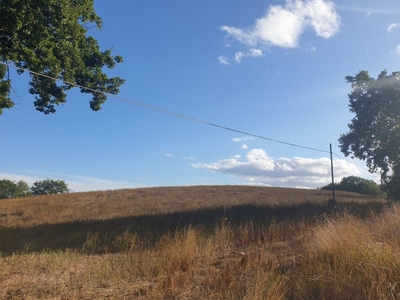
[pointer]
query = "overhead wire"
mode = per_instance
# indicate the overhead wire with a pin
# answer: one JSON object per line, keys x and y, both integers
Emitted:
{"x": 166, "y": 111}
{"x": 343, "y": 158}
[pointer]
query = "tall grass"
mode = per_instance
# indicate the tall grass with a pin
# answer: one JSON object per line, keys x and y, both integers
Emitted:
{"x": 353, "y": 259}
{"x": 251, "y": 250}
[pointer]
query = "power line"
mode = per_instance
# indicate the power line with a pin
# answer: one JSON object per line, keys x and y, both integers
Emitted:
{"x": 166, "y": 111}
{"x": 343, "y": 158}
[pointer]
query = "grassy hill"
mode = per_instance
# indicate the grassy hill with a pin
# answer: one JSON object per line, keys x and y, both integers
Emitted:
{"x": 200, "y": 242}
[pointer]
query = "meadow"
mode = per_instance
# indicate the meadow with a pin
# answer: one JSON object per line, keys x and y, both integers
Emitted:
{"x": 200, "y": 242}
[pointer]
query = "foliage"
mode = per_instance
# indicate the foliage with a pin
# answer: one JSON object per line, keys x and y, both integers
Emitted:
{"x": 374, "y": 134}
{"x": 328, "y": 187}
{"x": 392, "y": 184}
{"x": 49, "y": 187}
{"x": 11, "y": 189}
{"x": 8, "y": 189}
{"x": 23, "y": 189}
{"x": 356, "y": 185}
{"x": 51, "y": 38}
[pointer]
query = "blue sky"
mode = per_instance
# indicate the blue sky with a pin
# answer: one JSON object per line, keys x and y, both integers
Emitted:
{"x": 270, "y": 68}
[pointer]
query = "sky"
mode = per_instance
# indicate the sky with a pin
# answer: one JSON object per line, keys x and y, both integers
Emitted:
{"x": 274, "y": 69}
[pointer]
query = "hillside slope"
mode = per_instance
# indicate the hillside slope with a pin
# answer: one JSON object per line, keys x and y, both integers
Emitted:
{"x": 103, "y": 205}
{"x": 200, "y": 242}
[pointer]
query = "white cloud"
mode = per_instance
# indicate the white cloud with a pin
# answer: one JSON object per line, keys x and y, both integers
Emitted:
{"x": 247, "y": 138}
{"x": 367, "y": 14}
{"x": 283, "y": 25}
{"x": 29, "y": 179}
{"x": 309, "y": 48}
{"x": 245, "y": 147}
{"x": 169, "y": 155}
{"x": 75, "y": 183}
{"x": 258, "y": 168}
{"x": 238, "y": 56}
{"x": 391, "y": 27}
{"x": 189, "y": 158}
{"x": 223, "y": 60}
{"x": 369, "y": 11}
{"x": 398, "y": 49}
{"x": 255, "y": 53}
{"x": 80, "y": 183}
{"x": 252, "y": 53}
{"x": 322, "y": 17}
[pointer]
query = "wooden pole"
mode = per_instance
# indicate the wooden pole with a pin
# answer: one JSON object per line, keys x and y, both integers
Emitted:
{"x": 333, "y": 180}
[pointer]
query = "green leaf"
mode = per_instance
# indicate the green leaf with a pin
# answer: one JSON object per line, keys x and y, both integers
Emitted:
{"x": 51, "y": 37}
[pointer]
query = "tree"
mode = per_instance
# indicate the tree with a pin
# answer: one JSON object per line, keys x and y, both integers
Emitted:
{"x": 51, "y": 38}
{"x": 11, "y": 189}
{"x": 360, "y": 185}
{"x": 49, "y": 187}
{"x": 23, "y": 189}
{"x": 374, "y": 134}
{"x": 356, "y": 185}
{"x": 328, "y": 187}
{"x": 8, "y": 189}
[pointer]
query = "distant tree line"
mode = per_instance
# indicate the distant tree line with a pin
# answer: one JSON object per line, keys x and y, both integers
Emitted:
{"x": 356, "y": 185}
{"x": 16, "y": 189}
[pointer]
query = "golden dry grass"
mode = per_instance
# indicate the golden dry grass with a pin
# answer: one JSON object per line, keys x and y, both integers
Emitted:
{"x": 208, "y": 242}
{"x": 155, "y": 201}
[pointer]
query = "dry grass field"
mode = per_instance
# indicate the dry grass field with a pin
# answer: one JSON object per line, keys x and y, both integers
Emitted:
{"x": 202, "y": 242}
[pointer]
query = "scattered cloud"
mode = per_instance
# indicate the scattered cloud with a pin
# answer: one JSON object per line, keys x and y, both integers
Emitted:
{"x": 283, "y": 25}
{"x": 391, "y": 27}
{"x": 29, "y": 179}
{"x": 369, "y": 11}
{"x": 252, "y": 53}
{"x": 255, "y": 53}
{"x": 398, "y": 49}
{"x": 258, "y": 168}
{"x": 238, "y": 56}
{"x": 309, "y": 48}
{"x": 223, "y": 60}
{"x": 80, "y": 183}
{"x": 367, "y": 14}
{"x": 189, "y": 158}
{"x": 169, "y": 155}
{"x": 75, "y": 183}
{"x": 245, "y": 147}
{"x": 241, "y": 139}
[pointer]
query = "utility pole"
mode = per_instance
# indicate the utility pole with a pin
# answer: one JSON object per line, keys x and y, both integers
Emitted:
{"x": 333, "y": 181}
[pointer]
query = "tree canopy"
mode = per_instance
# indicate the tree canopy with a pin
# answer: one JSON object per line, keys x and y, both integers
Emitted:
{"x": 16, "y": 189}
{"x": 51, "y": 38}
{"x": 13, "y": 189}
{"x": 374, "y": 132}
{"x": 356, "y": 184}
{"x": 49, "y": 187}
